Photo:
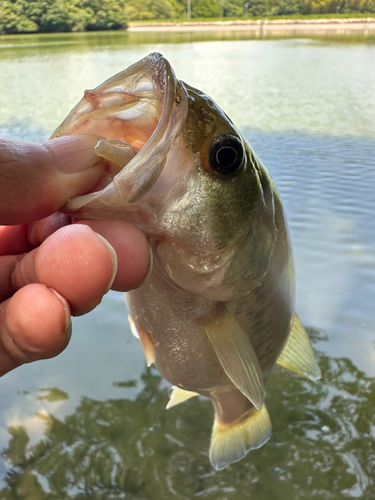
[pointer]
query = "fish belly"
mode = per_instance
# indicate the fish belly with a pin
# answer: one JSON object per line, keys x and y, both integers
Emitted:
{"x": 172, "y": 321}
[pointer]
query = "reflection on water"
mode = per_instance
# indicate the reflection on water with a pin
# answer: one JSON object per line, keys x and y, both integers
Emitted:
{"x": 309, "y": 85}
{"x": 22, "y": 45}
{"x": 326, "y": 185}
{"x": 323, "y": 445}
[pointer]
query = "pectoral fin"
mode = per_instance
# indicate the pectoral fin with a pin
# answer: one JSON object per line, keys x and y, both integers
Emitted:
{"x": 298, "y": 354}
{"x": 237, "y": 356}
{"x": 179, "y": 396}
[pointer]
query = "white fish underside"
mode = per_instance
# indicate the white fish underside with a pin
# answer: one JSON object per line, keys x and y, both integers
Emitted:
{"x": 218, "y": 309}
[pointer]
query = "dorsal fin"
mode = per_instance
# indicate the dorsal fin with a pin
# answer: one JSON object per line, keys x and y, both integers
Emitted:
{"x": 179, "y": 396}
{"x": 237, "y": 356}
{"x": 298, "y": 354}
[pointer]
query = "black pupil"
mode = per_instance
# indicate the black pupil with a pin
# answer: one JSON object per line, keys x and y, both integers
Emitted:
{"x": 226, "y": 154}
{"x": 226, "y": 157}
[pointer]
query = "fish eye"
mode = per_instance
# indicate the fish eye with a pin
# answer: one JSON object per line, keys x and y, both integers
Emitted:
{"x": 226, "y": 154}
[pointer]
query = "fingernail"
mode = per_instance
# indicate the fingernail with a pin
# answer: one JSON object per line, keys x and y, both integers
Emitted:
{"x": 68, "y": 320}
{"x": 73, "y": 153}
{"x": 113, "y": 257}
{"x": 150, "y": 267}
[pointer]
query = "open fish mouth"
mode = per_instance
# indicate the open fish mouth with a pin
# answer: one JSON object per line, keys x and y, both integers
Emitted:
{"x": 137, "y": 114}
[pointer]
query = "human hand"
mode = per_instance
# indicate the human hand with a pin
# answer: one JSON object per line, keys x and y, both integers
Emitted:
{"x": 50, "y": 268}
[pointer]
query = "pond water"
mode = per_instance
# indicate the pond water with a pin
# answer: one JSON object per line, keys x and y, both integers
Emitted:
{"x": 92, "y": 423}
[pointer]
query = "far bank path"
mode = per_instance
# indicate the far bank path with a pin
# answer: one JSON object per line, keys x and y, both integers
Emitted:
{"x": 363, "y": 25}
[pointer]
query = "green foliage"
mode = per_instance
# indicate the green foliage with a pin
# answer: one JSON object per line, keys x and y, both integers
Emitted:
{"x": 286, "y": 7}
{"x": 30, "y": 16}
{"x": 27, "y": 16}
{"x": 146, "y": 10}
{"x": 259, "y": 8}
{"x": 358, "y": 6}
{"x": 180, "y": 8}
{"x": 14, "y": 20}
{"x": 105, "y": 14}
{"x": 205, "y": 8}
{"x": 230, "y": 9}
{"x": 233, "y": 8}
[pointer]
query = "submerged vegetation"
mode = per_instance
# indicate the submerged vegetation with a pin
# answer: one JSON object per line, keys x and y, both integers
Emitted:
{"x": 42, "y": 16}
{"x": 322, "y": 446}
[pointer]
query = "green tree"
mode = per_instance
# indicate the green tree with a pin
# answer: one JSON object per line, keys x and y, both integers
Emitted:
{"x": 80, "y": 16}
{"x": 104, "y": 14}
{"x": 55, "y": 17}
{"x": 233, "y": 8}
{"x": 286, "y": 7}
{"x": 358, "y": 6}
{"x": 258, "y": 8}
{"x": 14, "y": 20}
{"x": 145, "y": 10}
{"x": 200, "y": 8}
{"x": 205, "y": 8}
{"x": 25, "y": 16}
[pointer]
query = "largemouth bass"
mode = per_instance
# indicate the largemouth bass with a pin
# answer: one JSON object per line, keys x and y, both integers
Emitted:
{"x": 217, "y": 311}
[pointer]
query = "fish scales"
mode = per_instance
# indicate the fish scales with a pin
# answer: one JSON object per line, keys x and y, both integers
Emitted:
{"x": 217, "y": 311}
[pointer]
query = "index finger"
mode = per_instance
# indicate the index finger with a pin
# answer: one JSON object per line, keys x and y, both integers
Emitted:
{"x": 36, "y": 179}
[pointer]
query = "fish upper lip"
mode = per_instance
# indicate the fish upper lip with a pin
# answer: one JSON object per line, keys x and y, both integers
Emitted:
{"x": 145, "y": 83}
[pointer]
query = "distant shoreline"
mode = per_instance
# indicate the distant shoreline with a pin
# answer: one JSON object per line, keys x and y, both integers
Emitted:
{"x": 292, "y": 25}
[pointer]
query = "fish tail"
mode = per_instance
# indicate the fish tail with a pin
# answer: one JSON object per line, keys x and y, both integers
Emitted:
{"x": 231, "y": 441}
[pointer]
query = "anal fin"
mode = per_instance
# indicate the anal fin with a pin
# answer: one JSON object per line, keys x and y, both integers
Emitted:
{"x": 298, "y": 354}
{"x": 230, "y": 442}
{"x": 237, "y": 356}
{"x": 147, "y": 346}
{"x": 179, "y": 396}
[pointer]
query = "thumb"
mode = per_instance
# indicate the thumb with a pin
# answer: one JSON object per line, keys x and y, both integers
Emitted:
{"x": 36, "y": 179}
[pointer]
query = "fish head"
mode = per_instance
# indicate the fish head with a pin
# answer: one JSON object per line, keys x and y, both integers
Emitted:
{"x": 136, "y": 115}
{"x": 178, "y": 168}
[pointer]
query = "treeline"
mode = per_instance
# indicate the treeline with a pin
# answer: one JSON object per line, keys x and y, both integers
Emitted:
{"x": 28, "y": 16}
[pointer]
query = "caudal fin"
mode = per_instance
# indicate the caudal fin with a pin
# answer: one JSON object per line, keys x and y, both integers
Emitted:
{"x": 231, "y": 442}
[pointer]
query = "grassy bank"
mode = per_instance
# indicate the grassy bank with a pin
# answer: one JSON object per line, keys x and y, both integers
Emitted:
{"x": 244, "y": 19}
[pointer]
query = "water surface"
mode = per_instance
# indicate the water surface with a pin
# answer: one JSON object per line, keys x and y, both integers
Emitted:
{"x": 91, "y": 423}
